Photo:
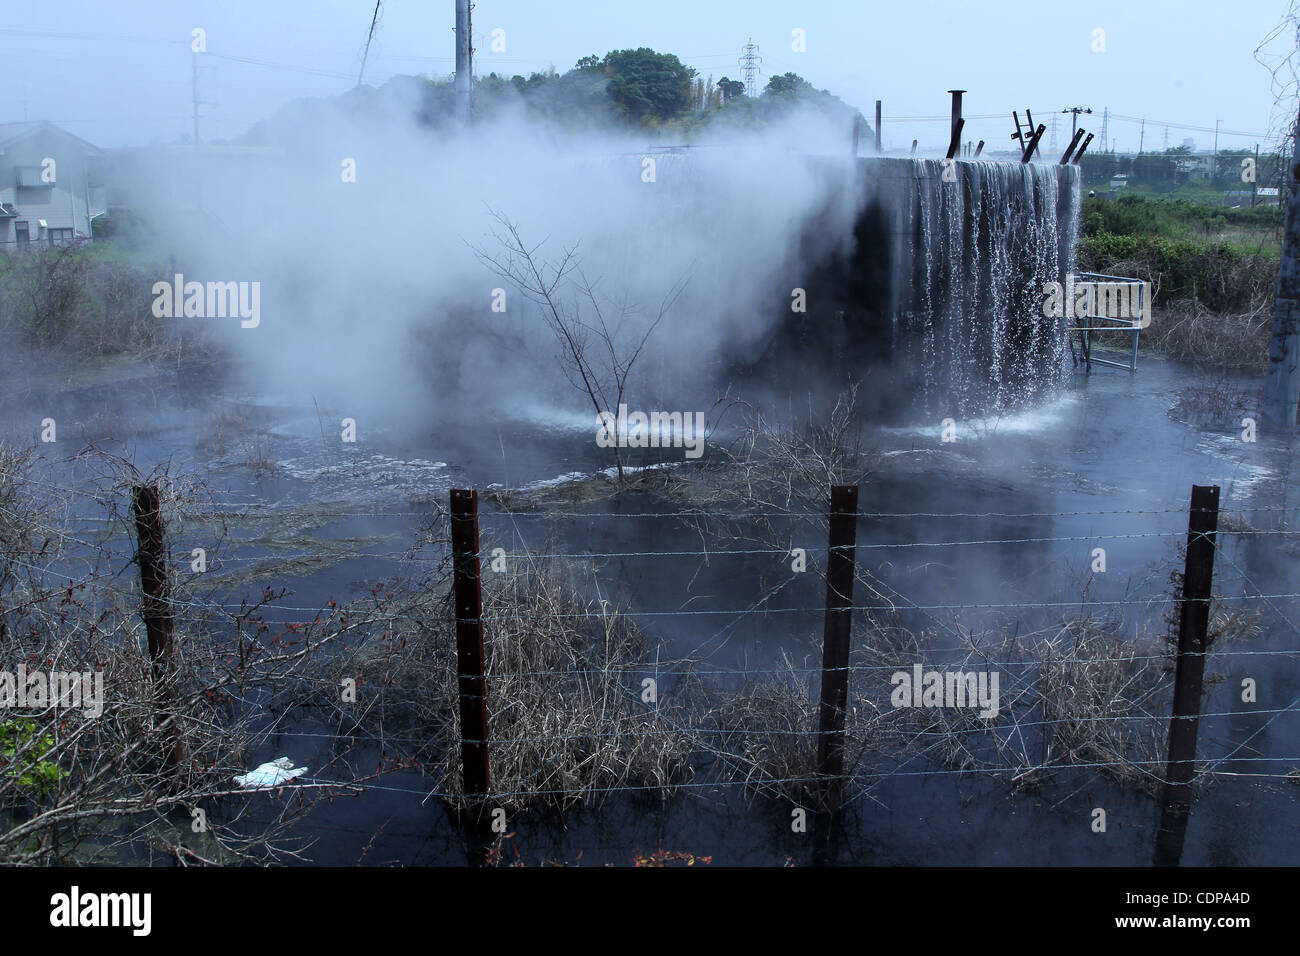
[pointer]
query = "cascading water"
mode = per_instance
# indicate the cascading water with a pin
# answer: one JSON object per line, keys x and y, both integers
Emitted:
{"x": 971, "y": 246}
{"x": 933, "y": 298}
{"x": 920, "y": 279}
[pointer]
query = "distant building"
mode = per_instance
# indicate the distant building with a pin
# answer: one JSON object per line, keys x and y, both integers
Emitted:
{"x": 185, "y": 198}
{"x": 50, "y": 189}
{"x": 145, "y": 178}
{"x": 1263, "y": 196}
{"x": 1195, "y": 167}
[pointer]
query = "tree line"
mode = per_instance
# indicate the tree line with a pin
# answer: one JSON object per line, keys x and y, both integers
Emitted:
{"x": 639, "y": 89}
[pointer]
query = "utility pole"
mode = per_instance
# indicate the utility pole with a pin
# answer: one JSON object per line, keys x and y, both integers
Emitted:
{"x": 1254, "y": 183}
{"x": 1074, "y": 119}
{"x": 194, "y": 94}
{"x": 464, "y": 60}
{"x": 1282, "y": 388}
{"x": 749, "y": 60}
{"x": 1214, "y": 167}
{"x": 374, "y": 22}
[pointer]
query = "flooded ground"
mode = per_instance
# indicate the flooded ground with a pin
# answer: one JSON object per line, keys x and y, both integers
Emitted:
{"x": 995, "y": 529}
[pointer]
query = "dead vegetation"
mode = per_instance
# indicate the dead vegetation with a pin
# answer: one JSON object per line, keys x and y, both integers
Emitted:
{"x": 146, "y": 768}
{"x": 600, "y": 336}
{"x": 1189, "y": 331}
{"x": 1102, "y": 701}
{"x": 570, "y": 718}
{"x": 1216, "y": 404}
{"x": 1077, "y": 695}
{"x": 573, "y": 720}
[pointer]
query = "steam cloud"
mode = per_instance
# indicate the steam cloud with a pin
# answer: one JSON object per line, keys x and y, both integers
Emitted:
{"x": 373, "y": 300}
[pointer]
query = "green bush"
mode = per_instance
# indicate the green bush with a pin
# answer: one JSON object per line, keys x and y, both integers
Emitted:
{"x": 30, "y": 772}
{"x": 1217, "y": 274}
{"x": 123, "y": 227}
{"x": 1175, "y": 218}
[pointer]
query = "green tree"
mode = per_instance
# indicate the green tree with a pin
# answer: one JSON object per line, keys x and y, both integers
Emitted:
{"x": 645, "y": 84}
{"x": 788, "y": 84}
{"x": 731, "y": 89}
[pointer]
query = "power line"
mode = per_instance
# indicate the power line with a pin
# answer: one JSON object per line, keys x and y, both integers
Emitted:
{"x": 269, "y": 64}
{"x": 1187, "y": 126}
{"x": 55, "y": 35}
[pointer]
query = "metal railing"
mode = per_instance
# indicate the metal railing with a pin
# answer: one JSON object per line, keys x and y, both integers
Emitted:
{"x": 1137, "y": 303}
{"x": 47, "y": 242}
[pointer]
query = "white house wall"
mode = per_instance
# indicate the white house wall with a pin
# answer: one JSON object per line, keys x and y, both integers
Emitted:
{"x": 68, "y": 203}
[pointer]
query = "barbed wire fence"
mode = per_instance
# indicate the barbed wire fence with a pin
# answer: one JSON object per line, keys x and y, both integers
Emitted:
{"x": 1075, "y": 694}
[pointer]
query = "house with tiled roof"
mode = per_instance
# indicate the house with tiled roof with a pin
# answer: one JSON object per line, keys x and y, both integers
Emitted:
{"x": 50, "y": 189}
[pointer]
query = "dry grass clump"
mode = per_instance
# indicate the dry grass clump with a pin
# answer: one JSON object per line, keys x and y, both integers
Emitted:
{"x": 767, "y": 733}
{"x": 1076, "y": 695}
{"x": 106, "y": 779}
{"x": 566, "y": 713}
{"x": 768, "y": 728}
{"x": 1189, "y": 331}
{"x": 1215, "y": 405}
{"x": 957, "y": 738}
{"x": 1102, "y": 701}
{"x": 222, "y": 429}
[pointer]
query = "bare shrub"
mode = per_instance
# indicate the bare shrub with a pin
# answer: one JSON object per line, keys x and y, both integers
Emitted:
{"x": 767, "y": 732}
{"x": 564, "y": 692}
{"x": 1188, "y": 331}
{"x": 564, "y": 698}
{"x": 598, "y": 349}
{"x": 1215, "y": 404}
{"x": 152, "y": 770}
{"x": 1101, "y": 700}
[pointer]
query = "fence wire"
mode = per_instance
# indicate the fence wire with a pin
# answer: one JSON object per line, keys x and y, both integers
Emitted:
{"x": 699, "y": 663}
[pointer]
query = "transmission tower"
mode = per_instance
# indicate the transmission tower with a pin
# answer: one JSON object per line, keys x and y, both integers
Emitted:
{"x": 1052, "y": 143}
{"x": 1105, "y": 118}
{"x": 749, "y": 61}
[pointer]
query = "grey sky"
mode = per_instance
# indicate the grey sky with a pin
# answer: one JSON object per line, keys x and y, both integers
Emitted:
{"x": 118, "y": 72}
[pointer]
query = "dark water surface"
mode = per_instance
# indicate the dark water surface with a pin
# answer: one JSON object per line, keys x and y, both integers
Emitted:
{"x": 1108, "y": 443}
